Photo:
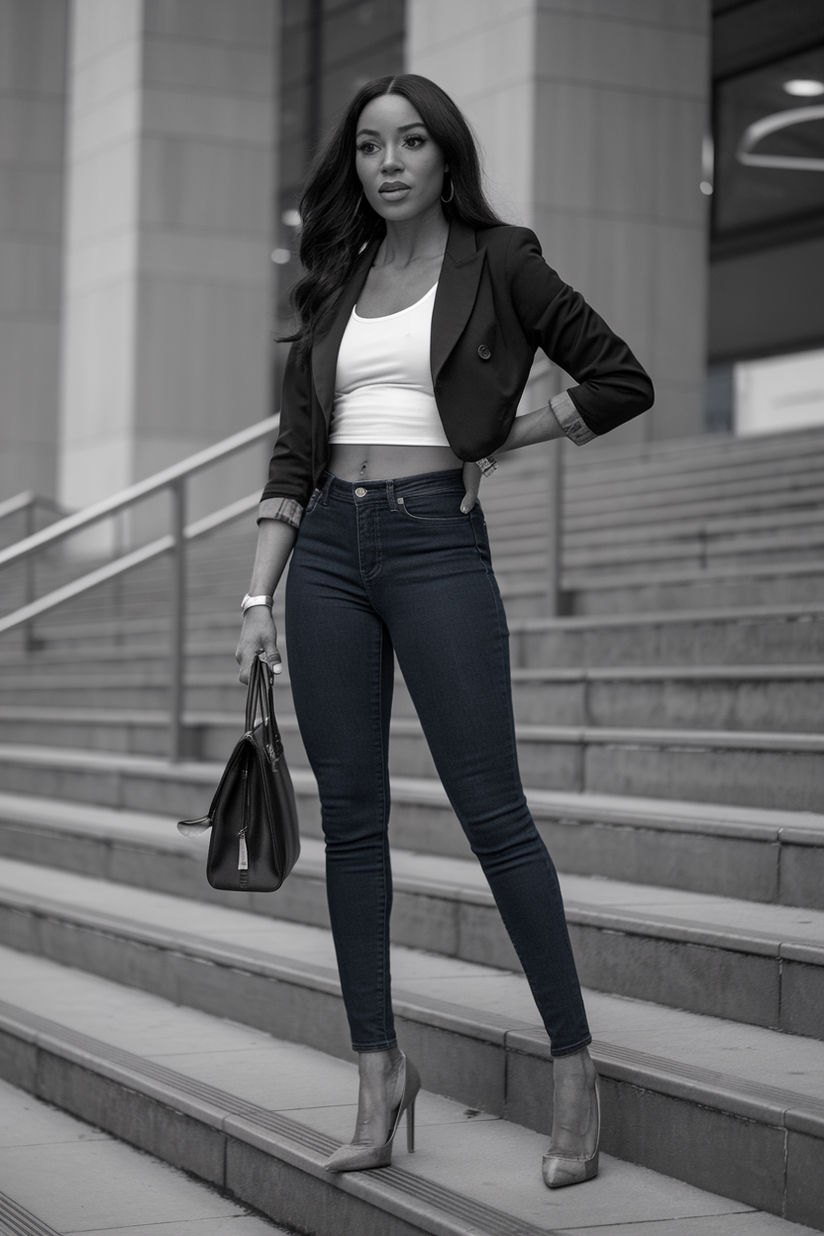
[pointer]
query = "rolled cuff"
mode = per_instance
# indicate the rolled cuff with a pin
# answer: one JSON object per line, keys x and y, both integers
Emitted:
{"x": 570, "y": 419}
{"x": 287, "y": 510}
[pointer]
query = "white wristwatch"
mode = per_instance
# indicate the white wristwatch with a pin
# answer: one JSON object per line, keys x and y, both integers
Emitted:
{"x": 249, "y": 601}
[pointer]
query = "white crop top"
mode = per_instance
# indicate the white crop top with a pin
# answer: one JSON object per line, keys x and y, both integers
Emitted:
{"x": 383, "y": 383}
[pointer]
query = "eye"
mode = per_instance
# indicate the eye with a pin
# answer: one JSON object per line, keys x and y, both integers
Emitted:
{"x": 414, "y": 140}
{"x": 367, "y": 148}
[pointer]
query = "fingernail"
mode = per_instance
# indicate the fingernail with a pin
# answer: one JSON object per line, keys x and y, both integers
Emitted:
{"x": 277, "y": 669}
{"x": 463, "y": 510}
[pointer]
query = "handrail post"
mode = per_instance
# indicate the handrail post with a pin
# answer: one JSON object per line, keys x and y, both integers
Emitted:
{"x": 177, "y": 618}
{"x": 554, "y": 529}
{"x": 29, "y": 581}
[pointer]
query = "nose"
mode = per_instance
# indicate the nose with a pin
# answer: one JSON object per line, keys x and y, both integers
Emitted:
{"x": 391, "y": 159}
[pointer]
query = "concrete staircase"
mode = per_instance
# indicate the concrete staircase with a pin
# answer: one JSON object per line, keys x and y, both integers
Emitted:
{"x": 670, "y": 739}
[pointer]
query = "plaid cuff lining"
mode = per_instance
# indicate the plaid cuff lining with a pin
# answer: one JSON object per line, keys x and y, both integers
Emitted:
{"x": 287, "y": 510}
{"x": 570, "y": 419}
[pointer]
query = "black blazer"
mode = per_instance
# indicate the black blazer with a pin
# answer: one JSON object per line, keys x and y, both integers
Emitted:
{"x": 497, "y": 302}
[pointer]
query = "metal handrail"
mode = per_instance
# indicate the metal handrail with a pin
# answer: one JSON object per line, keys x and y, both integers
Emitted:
{"x": 174, "y": 479}
{"x": 27, "y": 501}
{"x": 142, "y": 489}
{"x": 120, "y": 566}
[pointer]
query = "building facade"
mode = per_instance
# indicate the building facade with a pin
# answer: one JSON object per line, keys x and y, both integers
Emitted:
{"x": 151, "y": 155}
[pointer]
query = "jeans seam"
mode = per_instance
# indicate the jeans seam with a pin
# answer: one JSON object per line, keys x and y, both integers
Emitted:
{"x": 382, "y": 757}
{"x": 513, "y": 757}
{"x": 503, "y": 639}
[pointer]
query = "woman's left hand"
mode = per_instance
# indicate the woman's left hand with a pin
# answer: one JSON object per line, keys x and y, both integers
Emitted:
{"x": 472, "y": 483}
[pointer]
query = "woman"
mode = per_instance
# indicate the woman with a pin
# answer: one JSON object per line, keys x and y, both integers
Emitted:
{"x": 419, "y": 316}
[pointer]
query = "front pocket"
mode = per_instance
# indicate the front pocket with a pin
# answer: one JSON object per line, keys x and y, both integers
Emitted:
{"x": 442, "y": 507}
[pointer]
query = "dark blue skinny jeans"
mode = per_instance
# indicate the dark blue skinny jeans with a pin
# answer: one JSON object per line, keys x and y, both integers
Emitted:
{"x": 385, "y": 566}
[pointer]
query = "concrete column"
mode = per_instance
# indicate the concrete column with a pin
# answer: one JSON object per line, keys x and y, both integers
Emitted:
{"x": 171, "y": 153}
{"x": 32, "y": 85}
{"x": 591, "y": 113}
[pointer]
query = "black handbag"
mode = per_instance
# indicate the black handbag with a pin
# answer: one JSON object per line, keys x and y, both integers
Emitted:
{"x": 254, "y": 821}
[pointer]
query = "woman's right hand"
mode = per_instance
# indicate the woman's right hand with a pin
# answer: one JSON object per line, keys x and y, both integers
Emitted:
{"x": 257, "y": 635}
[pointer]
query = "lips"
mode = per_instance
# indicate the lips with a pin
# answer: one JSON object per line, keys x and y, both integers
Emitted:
{"x": 393, "y": 186}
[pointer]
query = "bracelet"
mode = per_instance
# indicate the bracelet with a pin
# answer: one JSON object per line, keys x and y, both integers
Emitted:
{"x": 487, "y": 466}
{"x": 248, "y": 602}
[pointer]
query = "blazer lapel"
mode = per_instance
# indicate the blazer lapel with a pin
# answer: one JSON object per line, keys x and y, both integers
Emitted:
{"x": 454, "y": 300}
{"x": 326, "y": 346}
{"x": 457, "y": 290}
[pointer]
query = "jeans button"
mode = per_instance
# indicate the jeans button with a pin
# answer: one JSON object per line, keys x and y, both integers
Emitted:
{"x": 360, "y": 491}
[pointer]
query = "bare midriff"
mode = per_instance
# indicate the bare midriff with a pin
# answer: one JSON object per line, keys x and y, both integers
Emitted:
{"x": 375, "y": 461}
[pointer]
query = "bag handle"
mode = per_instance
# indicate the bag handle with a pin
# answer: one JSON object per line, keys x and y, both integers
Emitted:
{"x": 256, "y": 693}
{"x": 260, "y": 702}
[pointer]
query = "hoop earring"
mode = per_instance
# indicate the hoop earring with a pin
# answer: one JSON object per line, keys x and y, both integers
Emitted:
{"x": 446, "y": 200}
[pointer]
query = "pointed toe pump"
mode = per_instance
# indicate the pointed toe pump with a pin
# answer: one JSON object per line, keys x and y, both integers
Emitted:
{"x": 561, "y": 1169}
{"x": 361, "y": 1158}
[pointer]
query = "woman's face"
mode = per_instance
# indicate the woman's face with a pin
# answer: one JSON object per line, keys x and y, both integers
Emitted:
{"x": 399, "y": 165}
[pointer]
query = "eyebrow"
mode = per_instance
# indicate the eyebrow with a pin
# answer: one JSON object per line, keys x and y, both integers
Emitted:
{"x": 418, "y": 124}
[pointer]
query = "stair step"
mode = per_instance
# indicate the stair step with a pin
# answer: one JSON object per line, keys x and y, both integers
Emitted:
{"x": 753, "y": 1141}
{"x": 736, "y": 766}
{"x": 739, "y": 767}
{"x": 62, "y": 1175}
{"x": 747, "y": 697}
{"x": 728, "y": 697}
{"x": 782, "y": 634}
{"x": 785, "y": 583}
{"x": 626, "y": 515}
{"x": 742, "y": 552}
{"x": 604, "y": 460}
{"x": 755, "y": 963}
{"x": 727, "y": 850}
{"x": 115, "y": 637}
{"x": 255, "y": 1116}
{"x": 769, "y": 634}
{"x": 675, "y": 496}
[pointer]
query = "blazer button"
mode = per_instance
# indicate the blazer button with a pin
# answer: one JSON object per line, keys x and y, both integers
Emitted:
{"x": 484, "y": 352}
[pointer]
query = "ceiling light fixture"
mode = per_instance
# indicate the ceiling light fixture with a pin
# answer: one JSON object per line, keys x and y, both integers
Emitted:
{"x": 754, "y": 133}
{"x": 804, "y": 87}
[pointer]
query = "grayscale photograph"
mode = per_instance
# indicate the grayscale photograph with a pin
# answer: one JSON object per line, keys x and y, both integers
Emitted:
{"x": 412, "y": 617}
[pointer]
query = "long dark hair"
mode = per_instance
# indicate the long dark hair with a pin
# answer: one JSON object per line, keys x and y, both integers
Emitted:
{"x": 336, "y": 219}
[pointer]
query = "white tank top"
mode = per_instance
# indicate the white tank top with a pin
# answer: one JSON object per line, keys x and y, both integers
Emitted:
{"x": 383, "y": 383}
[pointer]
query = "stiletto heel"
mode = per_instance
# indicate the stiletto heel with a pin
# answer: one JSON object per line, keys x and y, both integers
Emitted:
{"x": 561, "y": 1169}
{"x": 355, "y": 1158}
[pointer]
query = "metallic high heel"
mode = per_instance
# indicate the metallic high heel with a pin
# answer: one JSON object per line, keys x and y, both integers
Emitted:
{"x": 568, "y": 1169}
{"x": 354, "y": 1158}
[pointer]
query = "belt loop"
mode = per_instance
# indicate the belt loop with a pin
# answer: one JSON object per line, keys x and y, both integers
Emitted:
{"x": 390, "y": 494}
{"x": 324, "y": 497}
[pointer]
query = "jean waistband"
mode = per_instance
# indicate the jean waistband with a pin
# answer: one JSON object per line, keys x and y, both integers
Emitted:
{"x": 358, "y": 493}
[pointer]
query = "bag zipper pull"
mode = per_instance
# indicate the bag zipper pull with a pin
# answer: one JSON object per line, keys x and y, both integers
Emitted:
{"x": 243, "y": 853}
